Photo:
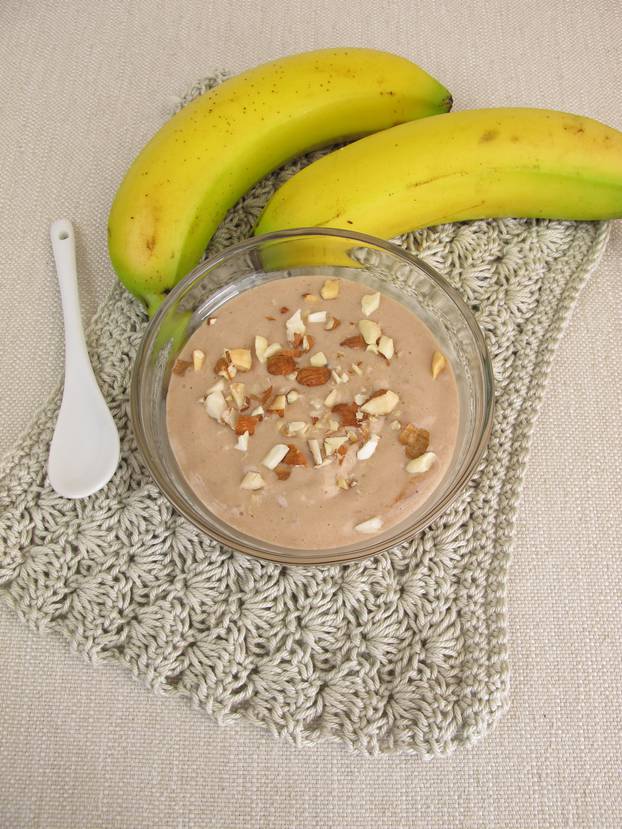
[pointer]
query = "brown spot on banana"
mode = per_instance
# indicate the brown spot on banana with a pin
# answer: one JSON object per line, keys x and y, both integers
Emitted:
{"x": 489, "y": 135}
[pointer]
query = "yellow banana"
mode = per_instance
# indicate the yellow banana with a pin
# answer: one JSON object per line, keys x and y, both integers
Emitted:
{"x": 473, "y": 164}
{"x": 211, "y": 152}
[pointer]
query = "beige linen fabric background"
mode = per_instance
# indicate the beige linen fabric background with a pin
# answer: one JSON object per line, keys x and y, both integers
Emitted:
{"x": 83, "y": 85}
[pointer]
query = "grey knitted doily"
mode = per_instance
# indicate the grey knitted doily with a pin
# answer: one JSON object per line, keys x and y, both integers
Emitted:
{"x": 405, "y": 652}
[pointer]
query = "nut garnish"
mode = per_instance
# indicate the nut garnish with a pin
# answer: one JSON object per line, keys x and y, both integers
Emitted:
{"x": 361, "y": 398}
{"x": 370, "y": 303}
{"x": 198, "y": 359}
{"x": 370, "y": 331}
{"x": 317, "y": 316}
{"x": 258, "y": 412}
{"x": 330, "y": 289}
{"x": 241, "y": 358}
{"x": 295, "y": 457}
{"x": 385, "y": 347}
{"x": 340, "y": 376}
{"x": 356, "y": 369}
{"x": 283, "y": 472}
{"x": 331, "y": 398}
{"x": 381, "y": 404}
{"x": 295, "y": 427}
{"x": 211, "y": 320}
{"x": 396, "y": 426}
{"x": 332, "y": 444}
{"x": 180, "y": 367}
{"x": 278, "y": 405}
{"x": 237, "y": 392}
{"x": 318, "y": 359}
{"x": 346, "y": 412}
{"x": 368, "y": 448}
{"x": 342, "y": 483}
{"x": 415, "y": 440}
{"x": 275, "y": 455}
{"x": 215, "y": 405}
{"x": 242, "y": 443}
{"x": 292, "y": 396}
{"x": 295, "y": 325}
{"x": 271, "y": 350}
{"x": 439, "y": 363}
{"x": 372, "y": 525}
{"x": 314, "y": 448}
{"x": 281, "y": 364}
{"x": 246, "y": 423}
{"x": 311, "y": 297}
{"x": 252, "y": 481}
{"x": 332, "y": 323}
{"x": 261, "y": 344}
{"x": 313, "y": 375}
{"x": 421, "y": 464}
{"x": 356, "y": 341}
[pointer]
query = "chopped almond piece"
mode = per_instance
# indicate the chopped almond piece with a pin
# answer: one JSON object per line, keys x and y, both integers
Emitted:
{"x": 356, "y": 341}
{"x": 439, "y": 363}
{"x": 252, "y": 481}
{"x": 271, "y": 350}
{"x": 283, "y": 472}
{"x": 246, "y": 423}
{"x": 258, "y": 412}
{"x": 346, "y": 412}
{"x": 242, "y": 443}
{"x": 275, "y": 455}
{"x": 281, "y": 364}
{"x": 237, "y": 392}
{"x": 415, "y": 440}
{"x": 198, "y": 359}
{"x": 317, "y": 316}
{"x": 311, "y": 297}
{"x": 220, "y": 367}
{"x": 385, "y": 347}
{"x": 332, "y": 323}
{"x": 330, "y": 289}
{"x": 421, "y": 464}
{"x": 370, "y": 303}
{"x": 211, "y": 320}
{"x": 180, "y": 367}
{"x": 295, "y": 325}
{"x": 318, "y": 359}
{"x": 295, "y": 427}
{"x": 356, "y": 369}
{"x": 372, "y": 525}
{"x": 278, "y": 404}
{"x": 381, "y": 404}
{"x": 261, "y": 344}
{"x": 332, "y": 444}
{"x": 313, "y": 376}
{"x": 292, "y": 396}
{"x": 215, "y": 405}
{"x": 295, "y": 457}
{"x": 241, "y": 358}
{"x": 331, "y": 398}
{"x": 265, "y": 395}
{"x": 368, "y": 448}
{"x": 314, "y": 447}
{"x": 370, "y": 331}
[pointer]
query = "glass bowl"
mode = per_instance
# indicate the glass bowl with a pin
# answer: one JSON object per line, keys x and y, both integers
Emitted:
{"x": 383, "y": 267}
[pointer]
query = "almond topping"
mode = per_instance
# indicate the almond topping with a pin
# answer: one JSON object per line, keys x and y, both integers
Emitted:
{"x": 330, "y": 289}
{"x": 370, "y": 331}
{"x": 215, "y": 405}
{"x": 331, "y": 398}
{"x": 314, "y": 448}
{"x": 278, "y": 404}
{"x": 295, "y": 457}
{"x": 295, "y": 427}
{"x": 281, "y": 364}
{"x": 241, "y": 358}
{"x": 359, "y": 399}
{"x": 308, "y": 342}
{"x": 368, "y": 449}
{"x": 421, "y": 464}
{"x": 265, "y": 395}
{"x": 318, "y": 359}
{"x": 439, "y": 363}
{"x": 346, "y": 412}
{"x": 246, "y": 423}
{"x": 292, "y": 396}
{"x": 311, "y": 297}
{"x": 372, "y": 525}
{"x": 211, "y": 320}
{"x": 415, "y": 440}
{"x": 332, "y": 444}
{"x": 396, "y": 426}
{"x": 342, "y": 483}
{"x": 258, "y": 412}
{"x": 370, "y": 303}
{"x": 313, "y": 376}
{"x": 385, "y": 347}
{"x": 295, "y": 325}
{"x": 237, "y": 392}
{"x": 356, "y": 369}
{"x": 220, "y": 367}
{"x": 317, "y": 316}
{"x": 261, "y": 345}
{"x": 198, "y": 359}
{"x": 382, "y": 404}
{"x": 283, "y": 472}
{"x": 275, "y": 455}
{"x": 181, "y": 367}
{"x": 332, "y": 323}
{"x": 252, "y": 481}
{"x": 271, "y": 350}
{"x": 356, "y": 341}
{"x": 242, "y": 443}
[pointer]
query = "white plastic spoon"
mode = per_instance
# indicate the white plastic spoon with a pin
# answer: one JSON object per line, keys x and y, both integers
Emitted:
{"x": 85, "y": 448}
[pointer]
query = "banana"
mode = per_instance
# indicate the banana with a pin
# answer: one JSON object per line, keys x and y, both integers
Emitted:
{"x": 473, "y": 164}
{"x": 211, "y": 152}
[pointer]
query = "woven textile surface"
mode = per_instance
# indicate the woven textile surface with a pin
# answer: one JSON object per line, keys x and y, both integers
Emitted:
{"x": 405, "y": 652}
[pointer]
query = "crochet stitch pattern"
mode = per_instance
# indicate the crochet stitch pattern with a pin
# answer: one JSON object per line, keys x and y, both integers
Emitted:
{"x": 405, "y": 652}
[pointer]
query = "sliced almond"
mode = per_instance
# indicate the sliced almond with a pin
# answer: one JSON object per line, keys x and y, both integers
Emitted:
{"x": 370, "y": 303}
{"x": 383, "y": 404}
{"x": 237, "y": 392}
{"x": 258, "y": 412}
{"x": 331, "y": 398}
{"x": 242, "y": 443}
{"x": 296, "y": 427}
{"x": 332, "y": 444}
{"x": 295, "y": 325}
{"x": 292, "y": 396}
{"x": 372, "y": 525}
{"x": 252, "y": 481}
{"x": 439, "y": 363}
{"x": 314, "y": 448}
{"x": 278, "y": 404}
{"x": 261, "y": 346}
{"x": 368, "y": 448}
{"x": 330, "y": 289}
{"x": 385, "y": 347}
{"x": 370, "y": 331}
{"x": 317, "y": 316}
{"x": 311, "y": 298}
{"x": 421, "y": 464}
{"x": 215, "y": 405}
{"x": 198, "y": 359}
{"x": 246, "y": 423}
{"x": 313, "y": 375}
{"x": 275, "y": 455}
{"x": 332, "y": 323}
{"x": 280, "y": 365}
{"x": 318, "y": 359}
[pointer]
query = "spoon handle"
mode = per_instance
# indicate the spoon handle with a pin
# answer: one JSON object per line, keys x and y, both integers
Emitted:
{"x": 64, "y": 249}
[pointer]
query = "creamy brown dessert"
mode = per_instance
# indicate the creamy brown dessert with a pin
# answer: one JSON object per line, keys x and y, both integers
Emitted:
{"x": 311, "y": 412}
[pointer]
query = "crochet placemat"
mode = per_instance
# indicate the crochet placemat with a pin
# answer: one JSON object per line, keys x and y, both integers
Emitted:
{"x": 405, "y": 652}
